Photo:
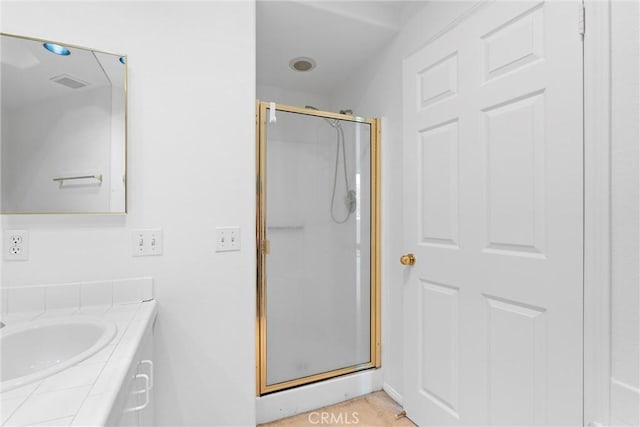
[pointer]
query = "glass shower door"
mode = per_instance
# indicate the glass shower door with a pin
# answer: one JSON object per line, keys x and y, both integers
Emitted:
{"x": 317, "y": 289}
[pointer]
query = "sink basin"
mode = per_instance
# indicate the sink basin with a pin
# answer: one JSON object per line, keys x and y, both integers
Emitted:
{"x": 38, "y": 349}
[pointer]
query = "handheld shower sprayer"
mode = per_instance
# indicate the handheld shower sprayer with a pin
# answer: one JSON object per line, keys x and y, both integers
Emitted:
{"x": 350, "y": 198}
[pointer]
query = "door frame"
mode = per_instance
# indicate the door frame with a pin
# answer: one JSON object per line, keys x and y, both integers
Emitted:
{"x": 262, "y": 249}
{"x": 597, "y": 211}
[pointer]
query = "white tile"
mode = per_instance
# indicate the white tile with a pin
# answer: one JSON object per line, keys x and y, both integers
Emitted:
{"x": 23, "y": 391}
{"x": 141, "y": 315}
{"x": 127, "y": 347}
{"x": 116, "y": 315}
{"x": 96, "y": 294}
{"x": 28, "y": 299}
{"x": 122, "y": 328}
{"x": 49, "y": 406}
{"x": 101, "y": 356}
{"x": 73, "y": 377}
{"x": 4, "y": 296}
{"x": 94, "y": 310}
{"x": 8, "y": 407}
{"x": 147, "y": 289}
{"x": 63, "y": 297}
{"x": 20, "y": 317}
{"x": 94, "y": 410}
{"x": 111, "y": 376}
{"x": 128, "y": 291}
{"x": 58, "y": 312}
{"x": 57, "y": 422}
{"x": 126, "y": 308}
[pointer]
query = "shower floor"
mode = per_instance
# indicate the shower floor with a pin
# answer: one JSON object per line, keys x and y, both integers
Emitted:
{"x": 373, "y": 410}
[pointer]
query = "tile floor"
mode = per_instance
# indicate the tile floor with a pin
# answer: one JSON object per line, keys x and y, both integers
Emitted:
{"x": 373, "y": 410}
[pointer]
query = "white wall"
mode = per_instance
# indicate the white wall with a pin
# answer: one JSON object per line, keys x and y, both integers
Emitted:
{"x": 292, "y": 97}
{"x": 625, "y": 254}
{"x": 191, "y": 168}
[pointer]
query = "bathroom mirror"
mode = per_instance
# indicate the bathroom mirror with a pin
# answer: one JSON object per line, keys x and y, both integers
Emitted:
{"x": 63, "y": 129}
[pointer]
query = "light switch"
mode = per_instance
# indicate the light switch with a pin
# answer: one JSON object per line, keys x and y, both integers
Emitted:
{"x": 137, "y": 243}
{"x": 227, "y": 239}
{"x": 146, "y": 242}
{"x": 155, "y": 242}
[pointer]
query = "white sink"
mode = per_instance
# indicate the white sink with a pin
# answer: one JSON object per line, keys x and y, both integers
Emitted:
{"x": 38, "y": 349}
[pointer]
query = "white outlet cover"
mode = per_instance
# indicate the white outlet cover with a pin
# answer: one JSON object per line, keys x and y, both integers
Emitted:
{"x": 16, "y": 245}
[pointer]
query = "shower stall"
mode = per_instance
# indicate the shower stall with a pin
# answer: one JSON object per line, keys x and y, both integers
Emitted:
{"x": 318, "y": 293}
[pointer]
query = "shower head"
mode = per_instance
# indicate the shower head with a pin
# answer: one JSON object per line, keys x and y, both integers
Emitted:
{"x": 332, "y": 122}
{"x": 347, "y": 112}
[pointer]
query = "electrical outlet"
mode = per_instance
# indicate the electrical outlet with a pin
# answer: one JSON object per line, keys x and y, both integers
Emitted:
{"x": 227, "y": 239}
{"x": 16, "y": 245}
{"x": 146, "y": 242}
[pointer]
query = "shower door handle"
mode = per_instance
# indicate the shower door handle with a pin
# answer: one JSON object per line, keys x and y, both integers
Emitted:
{"x": 408, "y": 259}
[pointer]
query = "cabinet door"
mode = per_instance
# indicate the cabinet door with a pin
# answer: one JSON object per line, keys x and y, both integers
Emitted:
{"x": 139, "y": 405}
{"x": 130, "y": 417}
{"x": 145, "y": 367}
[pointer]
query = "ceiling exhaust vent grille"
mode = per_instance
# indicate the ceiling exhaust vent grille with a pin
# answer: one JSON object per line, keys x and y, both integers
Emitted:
{"x": 302, "y": 64}
{"x": 68, "y": 81}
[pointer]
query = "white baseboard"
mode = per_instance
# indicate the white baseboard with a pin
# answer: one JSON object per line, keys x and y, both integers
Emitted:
{"x": 392, "y": 393}
{"x": 287, "y": 403}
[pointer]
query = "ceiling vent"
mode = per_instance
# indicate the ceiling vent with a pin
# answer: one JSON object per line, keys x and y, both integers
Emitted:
{"x": 68, "y": 81}
{"x": 302, "y": 64}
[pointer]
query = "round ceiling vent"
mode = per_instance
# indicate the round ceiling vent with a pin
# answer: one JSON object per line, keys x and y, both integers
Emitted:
{"x": 302, "y": 64}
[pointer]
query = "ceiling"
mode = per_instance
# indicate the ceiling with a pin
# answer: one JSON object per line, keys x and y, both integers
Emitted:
{"x": 30, "y": 73}
{"x": 340, "y": 36}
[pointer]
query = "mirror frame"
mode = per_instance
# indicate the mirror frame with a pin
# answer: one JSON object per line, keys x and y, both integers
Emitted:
{"x": 126, "y": 131}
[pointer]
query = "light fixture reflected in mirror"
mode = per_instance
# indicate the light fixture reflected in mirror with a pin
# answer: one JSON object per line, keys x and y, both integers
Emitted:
{"x": 56, "y": 48}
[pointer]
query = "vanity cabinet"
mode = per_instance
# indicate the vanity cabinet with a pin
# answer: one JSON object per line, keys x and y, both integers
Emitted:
{"x": 138, "y": 392}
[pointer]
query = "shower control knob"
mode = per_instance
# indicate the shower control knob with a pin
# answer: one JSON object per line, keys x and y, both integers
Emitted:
{"x": 408, "y": 259}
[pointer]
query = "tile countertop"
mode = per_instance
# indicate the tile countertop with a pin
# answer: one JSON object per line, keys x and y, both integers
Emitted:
{"x": 83, "y": 394}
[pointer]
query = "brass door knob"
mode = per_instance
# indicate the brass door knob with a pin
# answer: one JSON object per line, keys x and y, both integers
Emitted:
{"x": 408, "y": 259}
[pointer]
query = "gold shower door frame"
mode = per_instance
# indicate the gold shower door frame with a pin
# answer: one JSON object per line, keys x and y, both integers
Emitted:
{"x": 262, "y": 246}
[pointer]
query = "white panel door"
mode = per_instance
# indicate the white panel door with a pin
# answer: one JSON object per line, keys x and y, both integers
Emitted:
{"x": 493, "y": 213}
